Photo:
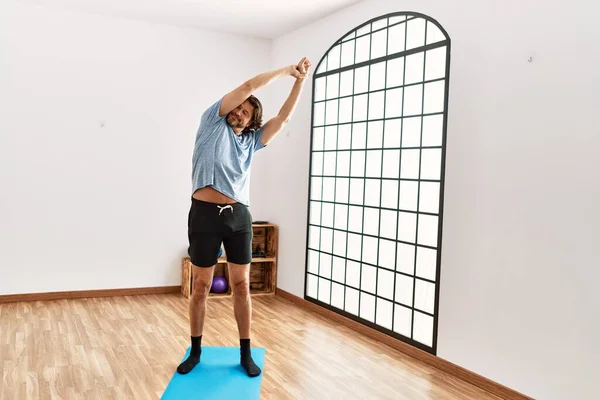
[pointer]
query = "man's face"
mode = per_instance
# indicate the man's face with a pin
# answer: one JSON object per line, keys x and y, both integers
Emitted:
{"x": 240, "y": 117}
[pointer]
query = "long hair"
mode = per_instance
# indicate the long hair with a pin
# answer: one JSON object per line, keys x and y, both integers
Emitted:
{"x": 257, "y": 118}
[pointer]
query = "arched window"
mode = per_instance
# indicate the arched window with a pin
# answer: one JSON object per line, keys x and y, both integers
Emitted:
{"x": 379, "y": 115}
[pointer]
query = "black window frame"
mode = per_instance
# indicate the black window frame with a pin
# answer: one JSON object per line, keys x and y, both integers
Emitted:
{"x": 444, "y": 43}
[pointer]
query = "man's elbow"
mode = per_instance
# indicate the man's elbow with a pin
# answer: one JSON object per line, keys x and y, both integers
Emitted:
{"x": 248, "y": 87}
{"x": 284, "y": 119}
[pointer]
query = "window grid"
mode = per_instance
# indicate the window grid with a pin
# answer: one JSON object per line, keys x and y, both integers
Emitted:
{"x": 379, "y": 208}
{"x": 412, "y": 325}
{"x": 387, "y": 41}
{"x": 425, "y": 246}
{"x": 399, "y": 182}
{"x": 380, "y": 90}
{"x": 374, "y": 266}
{"x": 348, "y": 208}
{"x": 360, "y": 121}
{"x": 337, "y": 131}
{"x": 377, "y": 296}
{"x": 362, "y": 237}
{"x": 404, "y": 21}
{"x": 318, "y": 279}
{"x": 350, "y": 163}
{"x": 404, "y": 53}
{"x": 429, "y": 275}
{"x": 377, "y": 148}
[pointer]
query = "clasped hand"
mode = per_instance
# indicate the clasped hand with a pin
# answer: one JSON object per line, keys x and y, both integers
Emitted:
{"x": 300, "y": 70}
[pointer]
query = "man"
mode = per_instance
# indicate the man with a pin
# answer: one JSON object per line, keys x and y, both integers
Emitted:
{"x": 230, "y": 133}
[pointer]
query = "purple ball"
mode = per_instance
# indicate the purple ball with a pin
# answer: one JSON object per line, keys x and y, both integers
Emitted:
{"x": 219, "y": 285}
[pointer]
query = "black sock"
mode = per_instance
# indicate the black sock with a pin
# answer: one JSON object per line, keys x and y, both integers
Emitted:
{"x": 194, "y": 357}
{"x": 246, "y": 359}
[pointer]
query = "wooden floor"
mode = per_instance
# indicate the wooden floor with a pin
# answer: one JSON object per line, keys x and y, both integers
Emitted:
{"x": 128, "y": 348}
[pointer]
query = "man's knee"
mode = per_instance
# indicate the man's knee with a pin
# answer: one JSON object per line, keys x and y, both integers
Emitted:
{"x": 241, "y": 289}
{"x": 200, "y": 290}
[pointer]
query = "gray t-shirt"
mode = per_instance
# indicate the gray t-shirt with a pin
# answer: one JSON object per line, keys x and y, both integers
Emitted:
{"x": 221, "y": 158}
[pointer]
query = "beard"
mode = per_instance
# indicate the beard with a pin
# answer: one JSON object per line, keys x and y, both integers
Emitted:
{"x": 234, "y": 122}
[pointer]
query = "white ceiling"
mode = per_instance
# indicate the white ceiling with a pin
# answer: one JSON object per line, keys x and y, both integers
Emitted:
{"x": 267, "y": 19}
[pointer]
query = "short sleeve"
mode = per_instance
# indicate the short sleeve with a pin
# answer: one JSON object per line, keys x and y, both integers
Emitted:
{"x": 211, "y": 115}
{"x": 257, "y": 135}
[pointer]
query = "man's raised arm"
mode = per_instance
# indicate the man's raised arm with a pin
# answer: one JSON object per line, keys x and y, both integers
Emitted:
{"x": 275, "y": 124}
{"x": 237, "y": 96}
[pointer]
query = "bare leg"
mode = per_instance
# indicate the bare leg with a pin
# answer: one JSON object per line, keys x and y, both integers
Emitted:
{"x": 200, "y": 288}
{"x": 239, "y": 276}
{"x": 202, "y": 281}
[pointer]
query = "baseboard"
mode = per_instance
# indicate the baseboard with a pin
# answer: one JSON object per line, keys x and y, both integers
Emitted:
{"x": 80, "y": 294}
{"x": 436, "y": 362}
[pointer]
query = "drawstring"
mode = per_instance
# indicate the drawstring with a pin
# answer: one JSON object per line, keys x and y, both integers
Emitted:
{"x": 224, "y": 207}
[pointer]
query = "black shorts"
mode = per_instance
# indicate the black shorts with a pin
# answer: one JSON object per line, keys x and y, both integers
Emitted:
{"x": 210, "y": 225}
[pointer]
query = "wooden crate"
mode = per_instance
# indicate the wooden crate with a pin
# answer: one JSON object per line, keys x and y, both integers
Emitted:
{"x": 259, "y": 242}
{"x": 264, "y": 241}
{"x": 263, "y": 268}
{"x": 262, "y": 278}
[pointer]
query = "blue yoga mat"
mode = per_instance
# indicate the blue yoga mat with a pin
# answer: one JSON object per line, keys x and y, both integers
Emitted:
{"x": 218, "y": 376}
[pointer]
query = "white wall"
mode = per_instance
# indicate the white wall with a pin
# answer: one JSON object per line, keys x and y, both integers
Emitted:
{"x": 521, "y": 208}
{"x": 90, "y": 207}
